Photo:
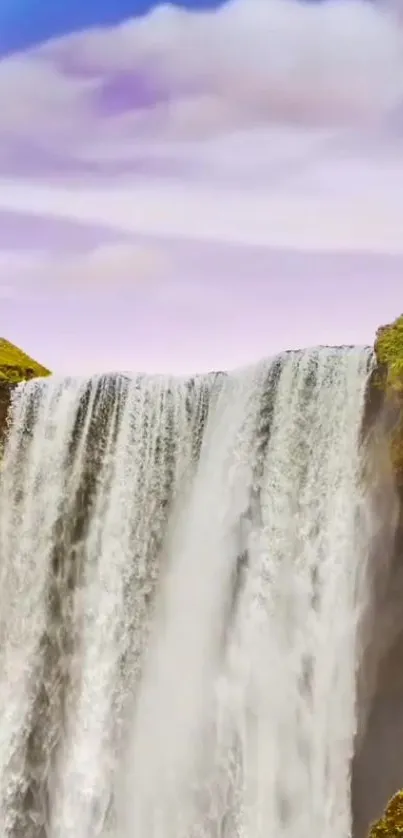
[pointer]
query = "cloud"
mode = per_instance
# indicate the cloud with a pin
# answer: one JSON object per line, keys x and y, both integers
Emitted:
{"x": 259, "y": 58}
{"x": 105, "y": 269}
{"x": 348, "y": 221}
{"x": 178, "y": 76}
{"x": 264, "y": 122}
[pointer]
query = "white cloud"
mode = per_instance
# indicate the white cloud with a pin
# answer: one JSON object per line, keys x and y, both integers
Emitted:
{"x": 247, "y": 63}
{"x": 262, "y": 56}
{"x": 38, "y": 101}
{"x": 272, "y": 118}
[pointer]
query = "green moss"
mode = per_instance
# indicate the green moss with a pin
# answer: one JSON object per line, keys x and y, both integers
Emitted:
{"x": 391, "y": 823}
{"x": 16, "y": 366}
{"x": 389, "y": 352}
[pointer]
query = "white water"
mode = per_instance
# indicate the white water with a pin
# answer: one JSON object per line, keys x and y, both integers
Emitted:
{"x": 179, "y": 632}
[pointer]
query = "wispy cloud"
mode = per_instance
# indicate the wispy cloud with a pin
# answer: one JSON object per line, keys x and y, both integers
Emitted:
{"x": 106, "y": 269}
{"x": 346, "y": 222}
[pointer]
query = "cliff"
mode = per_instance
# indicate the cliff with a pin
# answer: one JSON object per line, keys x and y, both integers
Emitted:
{"x": 15, "y": 366}
{"x": 378, "y": 759}
{"x": 389, "y": 378}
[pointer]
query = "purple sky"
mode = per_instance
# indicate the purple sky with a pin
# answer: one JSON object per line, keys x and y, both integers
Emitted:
{"x": 190, "y": 191}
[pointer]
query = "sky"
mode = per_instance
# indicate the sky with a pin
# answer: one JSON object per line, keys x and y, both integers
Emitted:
{"x": 185, "y": 188}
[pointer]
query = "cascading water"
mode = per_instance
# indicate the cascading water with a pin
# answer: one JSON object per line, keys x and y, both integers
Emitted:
{"x": 182, "y": 578}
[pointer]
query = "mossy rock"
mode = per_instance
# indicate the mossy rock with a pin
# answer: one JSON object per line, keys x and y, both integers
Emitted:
{"x": 16, "y": 366}
{"x": 391, "y": 823}
{"x": 389, "y": 376}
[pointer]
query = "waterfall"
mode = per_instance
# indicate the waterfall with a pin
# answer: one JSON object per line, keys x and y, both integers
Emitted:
{"x": 183, "y": 572}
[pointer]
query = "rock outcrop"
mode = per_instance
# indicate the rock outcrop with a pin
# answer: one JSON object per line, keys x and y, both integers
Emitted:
{"x": 390, "y": 824}
{"x": 15, "y": 367}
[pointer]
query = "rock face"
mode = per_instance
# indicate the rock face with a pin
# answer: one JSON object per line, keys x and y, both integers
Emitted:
{"x": 5, "y": 391}
{"x": 378, "y": 761}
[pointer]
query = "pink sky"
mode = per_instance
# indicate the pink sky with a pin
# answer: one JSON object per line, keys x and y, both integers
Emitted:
{"x": 189, "y": 192}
